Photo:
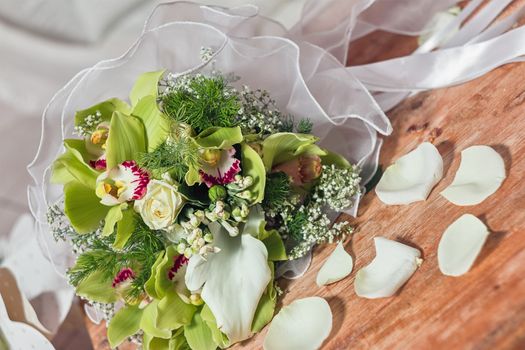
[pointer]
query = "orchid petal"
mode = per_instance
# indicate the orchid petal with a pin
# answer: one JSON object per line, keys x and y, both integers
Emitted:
{"x": 124, "y": 324}
{"x": 82, "y": 207}
{"x": 126, "y": 140}
{"x": 338, "y": 265}
{"x": 145, "y": 85}
{"x": 156, "y": 124}
{"x": 241, "y": 264}
{"x": 219, "y": 138}
{"x": 411, "y": 177}
{"x": 105, "y": 109}
{"x": 461, "y": 244}
{"x": 304, "y": 325}
{"x": 480, "y": 174}
{"x": 392, "y": 266}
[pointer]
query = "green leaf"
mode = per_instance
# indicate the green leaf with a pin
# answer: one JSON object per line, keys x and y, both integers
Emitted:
{"x": 80, "y": 146}
{"x": 113, "y": 216}
{"x": 149, "y": 286}
{"x": 172, "y": 312}
{"x": 146, "y": 85}
{"x": 125, "y": 228}
{"x": 219, "y": 138}
{"x": 281, "y": 147}
{"x": 83, "y": 207}
{"x": 264, "y": 312}
{"x": 125, "y": 323}
{"x": 198, "y": 334}
{"x": 192, "y": 177}
{"x": 218, "y": 337}
{"x": 156, "y": 124}
{"x": 275, "y": 246}
{"x": 127, "y": 139}
{"x": 253, "y": 166}
{"x": 105, "y": 108}
{"x": 148, "y": 322}
{"x": 98, "y": 288}
{"x": 71, "y": 166}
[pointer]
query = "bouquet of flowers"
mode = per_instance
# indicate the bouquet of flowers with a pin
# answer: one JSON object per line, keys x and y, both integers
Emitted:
{"x": 180, "y": 201}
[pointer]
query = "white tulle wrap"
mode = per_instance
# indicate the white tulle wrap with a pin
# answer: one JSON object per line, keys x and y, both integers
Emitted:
{"x": 299, "y": 56}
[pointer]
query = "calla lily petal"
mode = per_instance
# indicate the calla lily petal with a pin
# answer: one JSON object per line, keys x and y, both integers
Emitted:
{"x": 232, "y": 280}
{"x": 480, "y": 174}
{"x": 391, "y": 268}
{"x": 411, "y": 177}
{"x": 304, "y": 325}
{"x": 338, "y": 265}
{"x": 460, "y": 245}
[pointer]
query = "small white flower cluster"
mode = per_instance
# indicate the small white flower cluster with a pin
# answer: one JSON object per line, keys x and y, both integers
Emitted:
{"x": 198, "y": 237}
{"x": 336, "y": 190}
{"x": 62, "y": 230}
{"x": 89, "y": 124}
{"x": 219, "y": 213}
{"x": 337, "y": 187}
{"x": 259, "y": 113}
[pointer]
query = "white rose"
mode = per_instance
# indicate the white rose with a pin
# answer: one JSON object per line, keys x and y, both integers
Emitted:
{"x": 160, "y": 206}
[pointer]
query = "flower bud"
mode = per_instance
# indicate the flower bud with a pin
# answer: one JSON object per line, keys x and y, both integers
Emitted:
{"x": 196, "y": 299}
{"x": 181, "y": 247}
{"x": 217, "y": 193}
{"x": 301, "y": 170}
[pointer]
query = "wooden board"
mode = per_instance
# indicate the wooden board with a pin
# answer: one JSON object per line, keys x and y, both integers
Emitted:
{"x": 484, "y": 309}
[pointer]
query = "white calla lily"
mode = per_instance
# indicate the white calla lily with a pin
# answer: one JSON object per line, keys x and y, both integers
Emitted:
{"x": 411, "y": 177}
{"x": 480, "y": 174}
{"x": 392, "y": 266}
{"x": 338, "y": 265}
{"x": 461, "y": 244}
{"x": 302, "y": 325}
{"x": 232, "y": 280}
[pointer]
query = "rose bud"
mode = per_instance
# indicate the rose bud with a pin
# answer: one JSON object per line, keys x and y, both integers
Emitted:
{"x": 301, "y": 170}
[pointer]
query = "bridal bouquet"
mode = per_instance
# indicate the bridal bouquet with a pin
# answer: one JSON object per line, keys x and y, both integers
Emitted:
{"x": 180, "y": 201}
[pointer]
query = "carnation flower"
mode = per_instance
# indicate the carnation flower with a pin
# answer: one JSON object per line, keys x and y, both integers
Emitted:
{"x": 219, "y": 166}
{"x": 124, "y": 183}
{"x": 160, "y": 206}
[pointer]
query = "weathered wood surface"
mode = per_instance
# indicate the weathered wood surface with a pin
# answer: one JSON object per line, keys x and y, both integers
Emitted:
{"x": 484, "y": 309}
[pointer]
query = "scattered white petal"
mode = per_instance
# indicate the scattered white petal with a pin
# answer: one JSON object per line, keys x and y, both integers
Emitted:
{"x": 392, "y": 266}
{"x": 302, "y": 325}
{"x": 480, "y": 174}
{"x": 338, "y": 265}
{"x": 460, "y": 245}
{"x": 411, "y": 177}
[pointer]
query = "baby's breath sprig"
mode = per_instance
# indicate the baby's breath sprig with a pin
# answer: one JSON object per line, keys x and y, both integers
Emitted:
{"x": 308, "y": 225}
{"x": 89, "y": 124}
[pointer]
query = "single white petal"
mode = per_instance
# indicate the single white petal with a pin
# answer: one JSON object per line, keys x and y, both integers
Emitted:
{"x": 338, "y": 265}
{"x": 480, "y": 174}
{"x": 411, "y": 177}
{"x": 392, "y": 266}
{"x": 19, "y": 335}
{"x": 302, "y": 325}
{"x": 232, "y": 280}
{"x": 460, "y": 245}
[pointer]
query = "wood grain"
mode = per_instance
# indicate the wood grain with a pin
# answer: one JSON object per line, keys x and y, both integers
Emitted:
{"x": 484, "y": 309}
